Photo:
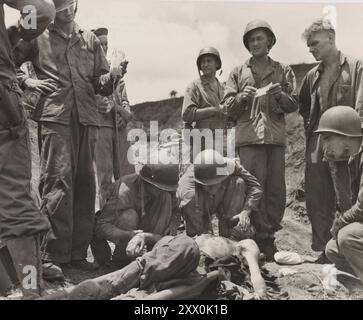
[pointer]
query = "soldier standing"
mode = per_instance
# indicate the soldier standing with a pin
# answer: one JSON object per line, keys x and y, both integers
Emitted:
{"x": 337, "y": 80}
{"x": 21, "y": 223}
{"x": 71, "y": 68}
{"x": 260, "y": 123}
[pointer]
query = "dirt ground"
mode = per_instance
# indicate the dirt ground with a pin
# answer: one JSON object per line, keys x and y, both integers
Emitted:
{"x": 307, "y": 282}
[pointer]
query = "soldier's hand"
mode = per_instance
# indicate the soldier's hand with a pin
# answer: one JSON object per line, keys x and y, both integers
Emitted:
{"x": 119, "y": 71}
{"x": 247, "y": 94}
{"x": 46, "y": 86}
{"x": 136, "y": 246}
{"x": 244, "y": 220}
{"x": 275, "y": 90}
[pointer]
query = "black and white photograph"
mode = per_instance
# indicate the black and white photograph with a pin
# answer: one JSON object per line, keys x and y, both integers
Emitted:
{"x": 171, "y": 150}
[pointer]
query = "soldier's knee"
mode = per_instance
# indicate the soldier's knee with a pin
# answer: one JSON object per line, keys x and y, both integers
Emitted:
{"x": 330, "y": 250}
{"x": 346, "y": 238}
{"x": 128, "y": 220}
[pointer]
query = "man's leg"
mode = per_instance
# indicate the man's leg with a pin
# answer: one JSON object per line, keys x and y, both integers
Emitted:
{"x": 55, "y": 189}
{"x": 275, "y": 186}
{"x": 128, "y": 221}
{"x": 335, "y": 256}
{"x": 342, "y": 184}
{"x": 118, "y": 228}
{"x": 104, "y": 166}
{"x": 350, "y": 243}
{"x": 125, "y": 166}
{"x": 104, "y": 163}
{"x": 84, "y": 140}
{"x": 233, "y": 204}
{"x": 21, "y": 222}
{"x": 254, "y": 159}
{"x": 171, "y": 258}
{"x": 319, "y": 194}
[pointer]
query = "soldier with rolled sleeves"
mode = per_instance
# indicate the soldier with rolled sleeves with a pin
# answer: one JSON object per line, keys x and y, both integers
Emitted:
{"x": 336, "y": 80}
{"x": 21, "y": 222}
{"x": 341, "y": 139}
{"x": 201, "y": 108}
{"x": 260, "y": 122}
{"x": 71, "y": 68}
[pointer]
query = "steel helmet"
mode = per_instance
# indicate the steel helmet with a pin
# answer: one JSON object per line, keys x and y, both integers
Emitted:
{"x": 162, "y": 176}
{"x": 258, "y": 24}
{"x": 63, "y": 4}
{"x": 211, "y": 168}
{"x": 211, "y": 51}
{"x": 342, "y": 120}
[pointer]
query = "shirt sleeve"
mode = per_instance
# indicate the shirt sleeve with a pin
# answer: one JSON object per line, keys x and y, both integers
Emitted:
{"x": 305, "y": 101}
{"x": 231, "y": 103}
{"x": 190, "y": 103}
{"x": 24, "y": 51}
{"x": 103, "y": 81}
{"x": 355, "y": 214}
{"x": 289, "y": 101}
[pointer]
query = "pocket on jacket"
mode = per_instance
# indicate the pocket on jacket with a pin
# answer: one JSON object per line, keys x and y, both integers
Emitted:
{"x": 245, "y": 132}
{"x": 345, "y": 95}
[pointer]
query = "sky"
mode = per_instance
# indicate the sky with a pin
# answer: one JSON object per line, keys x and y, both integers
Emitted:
{"x": 162, "y": 39}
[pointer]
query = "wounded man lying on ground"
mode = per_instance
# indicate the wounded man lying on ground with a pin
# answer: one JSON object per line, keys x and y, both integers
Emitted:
{"x": 172, "y": 257}
{"x": 227, "y": 269}
{"x": 140, "y": 208}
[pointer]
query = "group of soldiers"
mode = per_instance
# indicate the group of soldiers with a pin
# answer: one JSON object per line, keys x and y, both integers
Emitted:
{"x": 90, "y": 194}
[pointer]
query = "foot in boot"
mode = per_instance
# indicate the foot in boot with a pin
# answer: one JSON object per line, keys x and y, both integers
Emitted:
{"x": 268, "y": 248}
{"x": 322, "y": 259}
{"x": 52, "y": 272}
{"x": 83, "y": 264}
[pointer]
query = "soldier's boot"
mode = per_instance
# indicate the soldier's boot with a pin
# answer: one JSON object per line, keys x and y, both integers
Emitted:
{"x": 25, "y": 254}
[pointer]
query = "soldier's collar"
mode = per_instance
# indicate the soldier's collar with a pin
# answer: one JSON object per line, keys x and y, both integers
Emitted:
{"x": 342, "y": 59}
{"x": 272, "y": 63}
{"x": 77, "y": 30}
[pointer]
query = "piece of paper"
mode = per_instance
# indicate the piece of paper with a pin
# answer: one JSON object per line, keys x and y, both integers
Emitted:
{"x": 263, "y": 91}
